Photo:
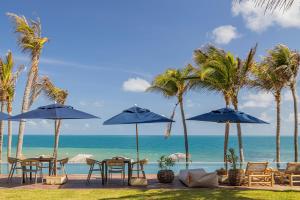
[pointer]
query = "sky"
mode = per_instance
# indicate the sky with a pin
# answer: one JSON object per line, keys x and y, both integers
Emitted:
{"x": 105, "y": 53}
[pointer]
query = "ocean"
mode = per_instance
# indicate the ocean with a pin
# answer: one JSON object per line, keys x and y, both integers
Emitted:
{"x": 206, "y": 151}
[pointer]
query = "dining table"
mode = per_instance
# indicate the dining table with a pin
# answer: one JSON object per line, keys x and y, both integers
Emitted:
{"x": 41, "y": 159}
{"x": 127, "y": 162}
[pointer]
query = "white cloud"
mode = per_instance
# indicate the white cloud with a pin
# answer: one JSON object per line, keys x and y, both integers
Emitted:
{"x": 45, "y": 123}
{"x": 190, "y": 103}
{"x": 74, "y": 65}
{"x": 291, "y": 117}
{"x": 224, "y": 34}
{"x": 82, "y": 103}
{"x": 98, "y": 104}
{"x": 287, "y": 96}
{"x": 66, "y": 125}
{"x": 31, "y": 123}
{"x": 135, "y": 85}
{"x": 86, "y": 125}
{"x": 264, "y": 116}
{"x": 257, "y": 20}
{"x": 260, "y": 99}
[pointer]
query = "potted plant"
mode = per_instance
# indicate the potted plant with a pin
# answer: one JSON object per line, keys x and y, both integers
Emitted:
{"x": 235, "y": 173}
{"x": 165, "y": 174}
{"x": 221, "y": 172}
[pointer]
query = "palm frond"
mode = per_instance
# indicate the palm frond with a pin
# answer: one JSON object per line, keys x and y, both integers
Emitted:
{"x": 8, "y": 78}
{"x": 29, "y": 34}
{"x": 52, "y": 92}
{"x": 271, "y": 5}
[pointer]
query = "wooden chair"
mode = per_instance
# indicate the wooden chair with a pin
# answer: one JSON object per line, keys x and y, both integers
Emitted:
{"x": 13, "y": 162}
{"x": 291, "y": 173}
{"x": 139, "y": 169}
{"x": 258, "y": 173}
{"x": 47, "y": 165}
{"x": 92, "y": 163}
{"x": 116, "y": 166}
{"x": 61, "y": 166}
{"x": 32, "y": 166}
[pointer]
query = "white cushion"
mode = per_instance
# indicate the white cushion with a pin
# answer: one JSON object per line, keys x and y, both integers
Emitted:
{"x": 198, "y": 178}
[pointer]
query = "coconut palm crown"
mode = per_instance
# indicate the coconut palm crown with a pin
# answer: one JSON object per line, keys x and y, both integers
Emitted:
{"x": 30, "y": 40}
{"x": 175, "y": 83}
{"x": 8, "y": 80}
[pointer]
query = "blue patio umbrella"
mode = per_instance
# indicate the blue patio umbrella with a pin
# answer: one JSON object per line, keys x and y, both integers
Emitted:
{"x": 136, "y": 115}
{"x": 227, "y": 115}
{"x": 224, "y": 115}
{"x": 4, "y": 116}
{"x": 54, "y": 112}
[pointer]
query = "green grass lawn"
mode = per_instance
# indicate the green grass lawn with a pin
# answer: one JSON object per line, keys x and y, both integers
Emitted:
{"x": 101, "y": 194}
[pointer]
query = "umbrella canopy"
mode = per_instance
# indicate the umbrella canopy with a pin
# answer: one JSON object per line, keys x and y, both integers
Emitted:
{"x": 178, "y": 156}
{"x": 80, "y": 158}
{"x": 4, "y": 116}
{"x": 55, "y": 112}
{"x": 224, "y": 115}
{"x": 136, "y": 115}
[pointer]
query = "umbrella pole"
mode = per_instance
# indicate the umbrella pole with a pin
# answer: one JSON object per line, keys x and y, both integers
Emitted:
{"x": 56, "y": 124}
{"x": 137, "y": 150}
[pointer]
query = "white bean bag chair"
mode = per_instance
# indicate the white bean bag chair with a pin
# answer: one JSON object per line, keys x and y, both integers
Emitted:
{"x": 198, "y": 178}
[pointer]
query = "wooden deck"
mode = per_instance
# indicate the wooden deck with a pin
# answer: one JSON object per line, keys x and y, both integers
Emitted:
{"x": 79, "y": 182}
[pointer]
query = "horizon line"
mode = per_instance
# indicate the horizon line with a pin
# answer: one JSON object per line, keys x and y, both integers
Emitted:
{"x": 47, "y": 134}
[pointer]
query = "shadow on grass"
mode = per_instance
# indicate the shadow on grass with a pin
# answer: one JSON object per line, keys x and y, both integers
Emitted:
{"x": 205, "y": 194}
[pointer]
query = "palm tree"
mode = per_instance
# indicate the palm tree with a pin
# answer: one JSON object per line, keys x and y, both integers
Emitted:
{"x": 240, "y": 79}
{"x": 220, "y": 71}
{"x": 30, "y": 40}
{"x": 287, "y": 60}
{"x": 8, "y": 80}
{"x": 60, "y": 96}
{"x": 174, "y": 83}
{"x": 270, "y": 77}
{"x": 55, "y": 94}
{"x": 214, "y": 73}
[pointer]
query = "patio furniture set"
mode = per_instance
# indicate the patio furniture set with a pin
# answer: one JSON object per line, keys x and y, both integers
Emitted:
{"x": 261, "y": 173}
{"x": 33, "y": 167}
{"x": 256, "y": 173}
{"x": 116, "y": 165}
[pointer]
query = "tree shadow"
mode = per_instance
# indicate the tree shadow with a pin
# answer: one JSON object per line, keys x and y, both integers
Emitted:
{"x": 183, "y": 194}
{"x": 197, "y": 193}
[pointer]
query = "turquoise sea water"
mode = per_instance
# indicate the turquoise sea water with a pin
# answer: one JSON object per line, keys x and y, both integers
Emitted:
{"x": 206, "y": 151}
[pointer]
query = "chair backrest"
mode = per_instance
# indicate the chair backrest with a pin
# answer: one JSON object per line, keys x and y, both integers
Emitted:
{"x": 64, "y": 161}
{"x": 256, "y": 167}
{"x": 144, "y": 162}
{"x": 115, "y": 162}
{"x": 292, "y": 168}
{"x": 90, "y": 161}
{"x": 12, "y": 160}
{"x": 119, "y": 157}
{"x": 30, "y": 162}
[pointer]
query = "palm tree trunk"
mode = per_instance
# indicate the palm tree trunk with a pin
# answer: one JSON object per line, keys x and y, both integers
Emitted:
{"x": 226, "y": 139}
{"x": 227, "y": 129}
{"x": 1, "y": 132}
{"x": 294, "y": 93}
{"x": 278, "y": 102}
{"x": 57, "y": 127}
{"x": 25, "y": 104}
{"x": 239, "y": 133}
{"x": 9, "y": 130}
{"x": 186, "y": 143}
